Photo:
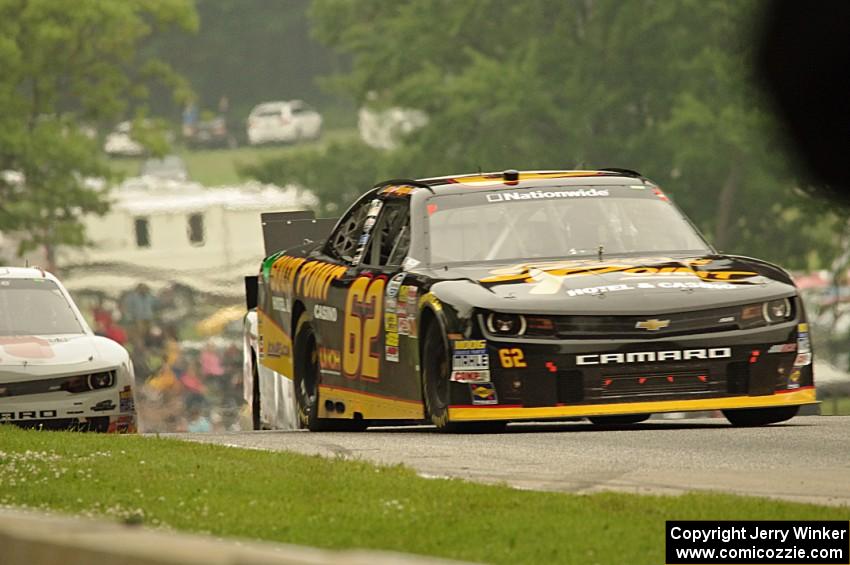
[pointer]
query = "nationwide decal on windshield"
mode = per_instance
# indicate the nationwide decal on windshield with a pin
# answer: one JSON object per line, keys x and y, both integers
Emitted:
{"x": 545, "y": 194}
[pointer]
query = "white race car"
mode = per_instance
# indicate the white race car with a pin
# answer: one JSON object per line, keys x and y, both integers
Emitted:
{"x": 276, "y": 411}
{"x": 54, "y": 372}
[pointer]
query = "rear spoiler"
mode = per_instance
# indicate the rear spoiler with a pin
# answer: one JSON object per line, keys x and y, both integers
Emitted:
{"x": 251, "y": 292}
{"x": 282, "y": 230}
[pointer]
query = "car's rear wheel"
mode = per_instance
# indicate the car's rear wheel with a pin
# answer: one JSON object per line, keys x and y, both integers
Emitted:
{"x": 436, "y": 387}
{"x": 306, "y": 375}
{"x": 307, "y": 379}
{"x": 749, "y": 417}
{"x": 619, "y": 420}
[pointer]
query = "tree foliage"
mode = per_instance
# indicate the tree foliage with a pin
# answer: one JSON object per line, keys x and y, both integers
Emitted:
{"x": 67, "y": 69}
{"x": 664, "y": 87}
{"x": 248, "y": 51}
{"x": 336, "y": 172}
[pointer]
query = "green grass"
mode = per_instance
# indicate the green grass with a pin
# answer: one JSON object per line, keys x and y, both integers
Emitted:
{"x": 835, "y": 406}
{"x": 214, "y": 167}
{"x": 343, "y": 504}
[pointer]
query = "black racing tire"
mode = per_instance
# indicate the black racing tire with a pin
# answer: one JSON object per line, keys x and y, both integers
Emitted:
{"x": 619, "y": 420}
{"x": 436, "y": 388}
{"x": 256, "y": 423}
{"x": 306, "y": 382}
{"x": 307, "y": 379}
{"x": 752, "y": 417}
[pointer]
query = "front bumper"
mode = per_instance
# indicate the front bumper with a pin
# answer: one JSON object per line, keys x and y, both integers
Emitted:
{"x": 538, "y": 379}
{"x": 107, "y": 410}
{"x": 518, "y": 412}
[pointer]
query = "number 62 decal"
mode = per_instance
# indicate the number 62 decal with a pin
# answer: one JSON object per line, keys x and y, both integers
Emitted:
{"x": 363, "y": 314}
{"x": 512, "y": 358}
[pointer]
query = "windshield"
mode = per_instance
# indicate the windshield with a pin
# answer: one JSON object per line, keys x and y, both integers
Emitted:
{"x": 35, "y": 307}
{"x": 489, "y": 227}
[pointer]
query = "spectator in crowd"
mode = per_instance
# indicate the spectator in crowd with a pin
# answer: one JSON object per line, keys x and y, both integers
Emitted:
{"x": 107, "y": 328}
{"x": 190, "y": 118}
{"x": 195, "y": 391}
{"x": 198, "y": 423}
{"x": 211, "y": 368}
{"x": 101, "y": 315}
{"x": 138, "y": 309}
{"x": 210, "y": 361}
{"x": 140, "y": 357}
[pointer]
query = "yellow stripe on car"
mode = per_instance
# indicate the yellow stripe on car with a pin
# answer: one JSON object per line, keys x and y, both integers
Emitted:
{"x": 464, "y": 413}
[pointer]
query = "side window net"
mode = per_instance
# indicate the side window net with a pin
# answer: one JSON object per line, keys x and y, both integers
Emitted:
{"x": 344, "y": 241}
{"x": 401, "y": 246}
{"x": 391, "y": 239}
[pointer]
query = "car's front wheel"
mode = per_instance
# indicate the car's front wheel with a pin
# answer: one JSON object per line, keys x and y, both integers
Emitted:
{"x": 749, "y": 417}
{"x": 436, "y": 387}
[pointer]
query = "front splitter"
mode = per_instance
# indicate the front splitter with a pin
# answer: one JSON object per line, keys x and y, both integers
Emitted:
{"x": 798, "y": 397}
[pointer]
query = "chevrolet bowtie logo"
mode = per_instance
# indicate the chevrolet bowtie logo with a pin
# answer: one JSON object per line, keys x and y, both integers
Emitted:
{"x": 652, "y": 325}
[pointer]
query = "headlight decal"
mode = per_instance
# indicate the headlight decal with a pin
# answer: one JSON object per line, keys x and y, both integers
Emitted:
{"x": 506, "y": 324}
{"x": 777, "y": 311}
{"x": 767, "y": 313}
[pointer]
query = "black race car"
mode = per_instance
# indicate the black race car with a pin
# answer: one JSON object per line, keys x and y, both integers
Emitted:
{"x": 473, "y": 301}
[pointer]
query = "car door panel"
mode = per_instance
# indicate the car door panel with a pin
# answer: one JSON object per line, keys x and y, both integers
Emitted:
{"x": 370, "y": 378}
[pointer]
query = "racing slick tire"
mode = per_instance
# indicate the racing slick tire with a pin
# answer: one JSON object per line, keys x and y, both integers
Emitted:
{"x": 307, "y": 378}
{"x": 256, "y": 423}
{"x": 620, "y": 420}
{"x": 436, "y": 388}
{"x": 751, "y": 417}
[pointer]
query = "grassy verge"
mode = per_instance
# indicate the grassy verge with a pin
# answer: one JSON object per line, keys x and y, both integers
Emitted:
{"x": 835, "y": 406}
{"x": 213, "y": 167}
{"x": 341, "y": 504}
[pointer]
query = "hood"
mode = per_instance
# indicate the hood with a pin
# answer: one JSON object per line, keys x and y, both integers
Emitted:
{"x": 52, "y": 355}
{"x": 622, "y": 285}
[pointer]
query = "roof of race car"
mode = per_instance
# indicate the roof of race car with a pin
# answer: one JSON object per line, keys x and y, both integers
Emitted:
{"x": 523, "y": 179}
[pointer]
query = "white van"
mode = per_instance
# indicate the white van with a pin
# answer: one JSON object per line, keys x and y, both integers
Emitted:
{"x": 283, "y": 122}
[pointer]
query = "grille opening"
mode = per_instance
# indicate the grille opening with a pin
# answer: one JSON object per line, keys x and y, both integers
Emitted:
{"x": 655, "y": 384}
{"x": 72, "y": 384}
{"x": 621, "y": 327}
{"x": 570, "y": 387}
{"x": 738, "y": 377}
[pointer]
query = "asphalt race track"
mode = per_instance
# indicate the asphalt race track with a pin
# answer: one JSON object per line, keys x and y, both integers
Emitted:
{"x": 806, "y": 459}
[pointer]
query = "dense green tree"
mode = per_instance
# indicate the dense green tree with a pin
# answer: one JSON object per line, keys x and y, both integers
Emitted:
{"x": 249, "y": 52}
{"x": 336, "y": 172}
{"x": 661, "y": 86}
{"x": 67, "y": 69}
